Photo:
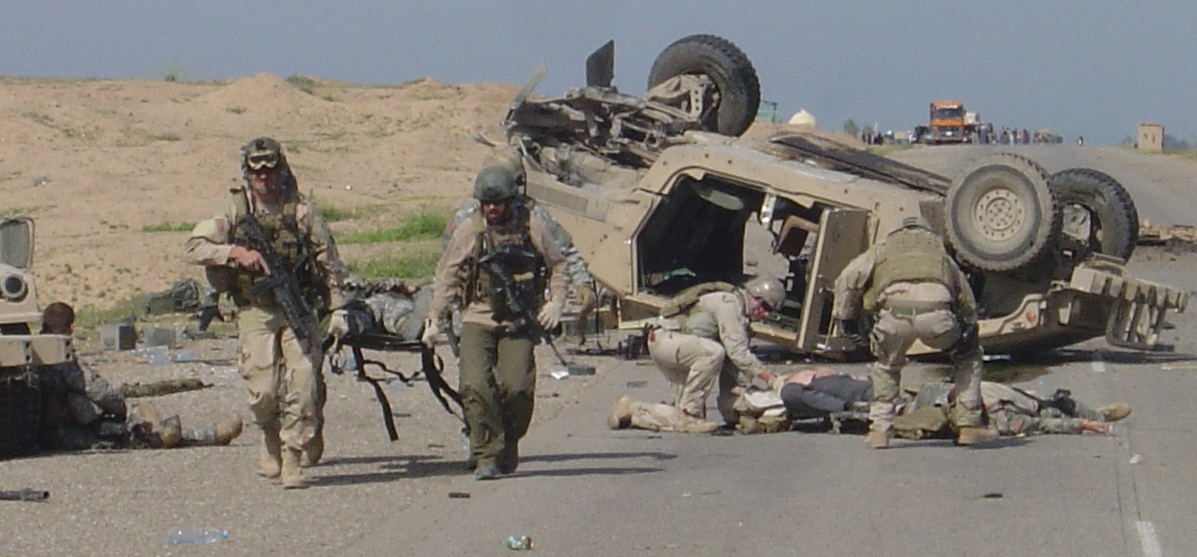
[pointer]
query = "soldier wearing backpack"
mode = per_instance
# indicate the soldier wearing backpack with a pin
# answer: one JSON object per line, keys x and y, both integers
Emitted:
{"x": 701, "y": 336}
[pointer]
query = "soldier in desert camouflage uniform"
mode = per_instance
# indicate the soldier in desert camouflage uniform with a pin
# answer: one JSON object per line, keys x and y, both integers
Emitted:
{"x": 283, "y": 374}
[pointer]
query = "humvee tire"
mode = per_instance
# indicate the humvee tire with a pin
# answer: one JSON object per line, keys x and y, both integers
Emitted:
{"x": 1001, "y": 213}
{"x": 1112, "y": 211}
{"x": 20, "y": 415}
{"x": 723, "y": 62}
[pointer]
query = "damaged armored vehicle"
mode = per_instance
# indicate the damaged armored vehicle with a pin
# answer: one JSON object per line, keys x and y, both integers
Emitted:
{"x": 22, "y": 351}
{"x": 660, "y": 192}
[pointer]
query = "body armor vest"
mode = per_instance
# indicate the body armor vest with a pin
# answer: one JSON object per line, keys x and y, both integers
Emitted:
{"x": 283, "y": 233}
{"x": 508, "y": 273}
{"x": 908, "y": 255}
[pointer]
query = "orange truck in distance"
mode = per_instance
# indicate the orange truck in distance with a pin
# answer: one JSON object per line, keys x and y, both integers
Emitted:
{"x": 947, "y": 123}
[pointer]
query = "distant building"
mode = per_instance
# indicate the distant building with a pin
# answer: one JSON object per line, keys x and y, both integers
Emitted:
{"x": 804, "y": 118}
{"x": 1151, "y": 137}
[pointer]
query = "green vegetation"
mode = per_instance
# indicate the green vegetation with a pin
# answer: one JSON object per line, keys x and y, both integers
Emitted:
{"x": 419, "y": 226}
{"x": 89, "y": 317}
{"x": 303, "y": 83}
{"x": 408, "y": 266}
{"x": 168, "y": 136}
{"x": 166, "y": 226}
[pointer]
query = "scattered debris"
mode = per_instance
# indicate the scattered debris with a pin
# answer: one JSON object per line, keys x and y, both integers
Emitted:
{"x": 1136, "y": 459}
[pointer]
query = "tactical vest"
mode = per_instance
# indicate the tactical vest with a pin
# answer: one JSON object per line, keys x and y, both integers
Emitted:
{"x": 509, "y": 246}
{"x": 908, "y": 255}
{"x": 683, "y": 304}
{"x": 283, "y": 233}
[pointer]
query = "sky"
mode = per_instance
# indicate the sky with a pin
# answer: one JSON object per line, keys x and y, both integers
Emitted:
{"x": 1091, "y": 68}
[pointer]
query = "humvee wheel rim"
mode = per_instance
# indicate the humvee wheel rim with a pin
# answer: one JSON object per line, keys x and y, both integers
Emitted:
{"x": 999, "y": 214}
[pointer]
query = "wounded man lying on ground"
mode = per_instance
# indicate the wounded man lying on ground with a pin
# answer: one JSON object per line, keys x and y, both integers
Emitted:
{"x": 81, "y": 410}
{"x": 819, "y": 392}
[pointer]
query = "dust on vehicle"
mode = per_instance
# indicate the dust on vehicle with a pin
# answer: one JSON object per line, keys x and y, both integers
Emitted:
{"x": 660, "y": 193}
{"x": 23, "y": 352}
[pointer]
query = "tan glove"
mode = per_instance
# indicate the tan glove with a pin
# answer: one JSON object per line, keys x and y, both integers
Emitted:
{"x": 776, "y": 382}
{"x": 550, "y": 315}
{"x": 431, "y": 331}
{"x": 338, "y": 324}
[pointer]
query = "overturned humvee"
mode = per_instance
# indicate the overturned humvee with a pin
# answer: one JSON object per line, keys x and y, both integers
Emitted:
{"x": 660, "y": 193}
{"x": 23, "y": 352}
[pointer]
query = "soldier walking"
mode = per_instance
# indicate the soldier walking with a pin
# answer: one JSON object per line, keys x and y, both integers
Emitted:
{"x": 916, "y": 292}
{"x": 280, "y": 360}
{"x": 500, "y": 262}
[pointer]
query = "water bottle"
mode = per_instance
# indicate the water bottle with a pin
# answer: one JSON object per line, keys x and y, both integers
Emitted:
{"x": 195, "y": 534}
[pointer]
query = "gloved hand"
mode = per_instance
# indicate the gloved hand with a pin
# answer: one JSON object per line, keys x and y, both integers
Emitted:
{"x": 776, "y": 382}
{"x": 550, "y": 315}
{"x": 849, "y": 330}
{"x": 338, "y": 324}
{"x": 431, "y": 330}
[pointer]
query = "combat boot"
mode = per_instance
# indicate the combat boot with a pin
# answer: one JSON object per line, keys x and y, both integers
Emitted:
{"x": 621, "y": 414}
{"x": 170, "y": 432}
{"x": 228, "y": 429}
{"x": 509, "y": 458}
{"x": 877, "y": 440}
{"x": 270, "y": 453}
{"x": 487, "y": 470}
{"x": 314, "y": 450}
{"x": 1114, "y": 412}
{"x": 291, "y": 474}
{"x": 973, "y": 435}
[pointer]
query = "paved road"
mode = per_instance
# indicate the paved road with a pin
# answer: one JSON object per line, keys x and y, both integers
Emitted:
{"x": 1164, "y": 187}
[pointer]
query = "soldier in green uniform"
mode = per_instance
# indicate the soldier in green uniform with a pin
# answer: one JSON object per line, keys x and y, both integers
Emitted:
{"x": 499, "y": 262}
{"x": 916, "y": 292}
{"x": 282, "y": 372}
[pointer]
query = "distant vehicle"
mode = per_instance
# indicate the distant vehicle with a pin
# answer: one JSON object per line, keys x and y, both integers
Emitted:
{"x": 1045, "y": 135}
{"x": 660, "y": 193}
{"x": 947, "y": 123}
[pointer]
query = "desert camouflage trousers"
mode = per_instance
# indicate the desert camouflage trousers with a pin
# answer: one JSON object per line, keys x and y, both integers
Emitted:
{"x": 281, "y": 375}
{"x": 497, "y": 387}
{"x": 691, "y": 364}
{"x": 893, "y": 334}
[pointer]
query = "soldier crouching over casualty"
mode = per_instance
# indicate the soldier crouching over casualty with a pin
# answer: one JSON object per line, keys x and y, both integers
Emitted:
{"x": 701, "y": 336}
{"x": 820, "y": 392}
{"x": 499, "y": 262}
{"x": 271, "y": 251}
{"x": 916, "y": 292}
{"x": 81, "y": 410}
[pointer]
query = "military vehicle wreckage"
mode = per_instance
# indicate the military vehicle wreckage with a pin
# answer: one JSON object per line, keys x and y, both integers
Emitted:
{"x": 660, "y": 192}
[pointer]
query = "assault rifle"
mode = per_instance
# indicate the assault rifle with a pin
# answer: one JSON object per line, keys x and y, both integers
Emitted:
{"x": 515, "y": 309}
{"x": 280, "y": 279}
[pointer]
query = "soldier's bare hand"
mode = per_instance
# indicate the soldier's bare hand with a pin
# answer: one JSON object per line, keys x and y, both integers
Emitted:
{"x": 249, "y": 259}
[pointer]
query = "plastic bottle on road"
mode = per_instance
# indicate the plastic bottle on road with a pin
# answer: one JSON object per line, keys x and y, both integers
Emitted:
{"x": 195, "y": 534}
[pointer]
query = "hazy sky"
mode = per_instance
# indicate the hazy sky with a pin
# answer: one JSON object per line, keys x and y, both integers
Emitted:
{"x": 1091, "y": 68}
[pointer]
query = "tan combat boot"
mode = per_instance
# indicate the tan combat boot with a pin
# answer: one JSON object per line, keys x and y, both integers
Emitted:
{"x": 314, "y": 450}
{"x": 270, "y": 454}
{"x": 169, "y": 431}
{"x": 972, "y": 435}
{"x": 291, "y": 474}
{"x": 228, "y": 429}
{"x": 621, "y": 414}
{"x": 1114, "y": 412}
{"x": 877, "y": 440}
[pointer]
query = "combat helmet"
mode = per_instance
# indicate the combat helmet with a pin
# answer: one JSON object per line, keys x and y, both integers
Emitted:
{"x": 265, "y": 152}
{"x": 495, "y": 183}
{"x": 767, "y": 290}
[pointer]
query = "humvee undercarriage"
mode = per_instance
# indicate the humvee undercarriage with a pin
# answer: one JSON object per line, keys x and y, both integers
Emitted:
{"x": 659, "y": 193}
